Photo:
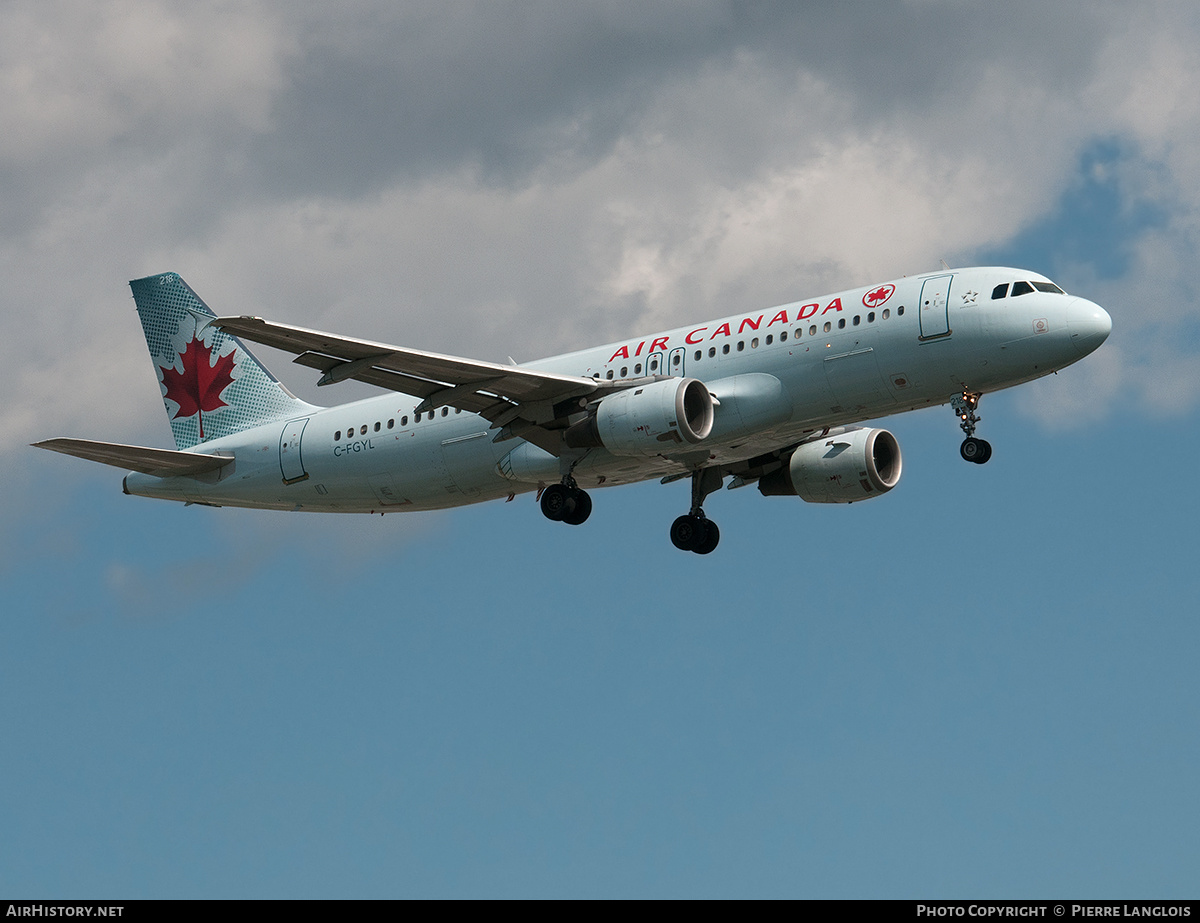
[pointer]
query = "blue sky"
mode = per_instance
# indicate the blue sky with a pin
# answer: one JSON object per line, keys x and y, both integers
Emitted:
{"x": 982, "y": 684}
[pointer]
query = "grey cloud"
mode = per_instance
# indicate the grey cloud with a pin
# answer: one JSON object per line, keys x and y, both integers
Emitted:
{"x": 526, "y": 178}
{"x": 318, "y": 100}
{"x": 505, "y": 86}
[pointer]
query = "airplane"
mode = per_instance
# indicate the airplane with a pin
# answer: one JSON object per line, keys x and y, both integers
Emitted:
{"x": 769, "y": 397}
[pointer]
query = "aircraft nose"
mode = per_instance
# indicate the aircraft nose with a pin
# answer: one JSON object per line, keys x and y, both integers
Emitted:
{"x": 1089, "y": 324}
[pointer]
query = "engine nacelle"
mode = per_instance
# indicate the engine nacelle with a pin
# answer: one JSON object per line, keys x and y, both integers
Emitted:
{"x": 857, "y": 464}
{"x": 655, "y": 419}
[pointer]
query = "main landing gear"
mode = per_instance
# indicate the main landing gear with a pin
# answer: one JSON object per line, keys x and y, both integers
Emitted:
{"x": 972, "y": 449}
{"x": 694, "y": 531}
{"x": 567, "y": 502}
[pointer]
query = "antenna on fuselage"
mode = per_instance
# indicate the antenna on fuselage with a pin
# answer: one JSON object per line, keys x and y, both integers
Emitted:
{"x": 945, "y": 265}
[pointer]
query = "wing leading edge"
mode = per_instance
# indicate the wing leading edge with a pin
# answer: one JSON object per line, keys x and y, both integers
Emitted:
{"x": 519, "y": 401}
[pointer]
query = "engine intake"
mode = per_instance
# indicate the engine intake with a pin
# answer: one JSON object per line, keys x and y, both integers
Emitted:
{"x": 655, "y": 419}
{"x": 857, "y": 464}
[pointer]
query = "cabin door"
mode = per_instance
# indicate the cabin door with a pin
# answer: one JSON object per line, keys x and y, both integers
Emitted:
{"x": 934, "y": 307}
{"x": 291, "y": 462}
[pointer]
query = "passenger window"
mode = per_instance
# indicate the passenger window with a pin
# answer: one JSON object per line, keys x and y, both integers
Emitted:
{"x": 608, "y": 374}
{"x": 377, "y": 426}
{"x": 871, "y": 318}
{"x": 624, "y": 371}
{"x": 828, "y": 326}
{"x": 900, "y": 311}
{"x": 812, "y": 331}
{"x": 637, "y": 369}
{"x": 856, "y": 320}
{"x": 887, "y": 312}
{"x": 782, "y": 336}
{"x": 1000, "y": 291}
{"x": 712, "y": 351}
{"x": 337, "y": 436}
{"x": 754, "y": 343}
{"x": 725, "y": 350}
{"x": 391, "y": 424}
{"x": 770, "y": 339}
{"x": 741, "y": 345}
{"x": 675, "y": 360}
{"x": 841, "y": 323}
{"x": 404, "y": 421}
{"x": 698, "y": 355}
{"x": 445, "y": 412}
{"x": 363, "y": 431}
{"x": 458, "y": 410}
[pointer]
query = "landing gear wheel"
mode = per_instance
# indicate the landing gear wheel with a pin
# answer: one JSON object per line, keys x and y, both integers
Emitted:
{"x": 556, "y": 502}
{"x": 581, "y": 507}
{"x": 695, "y": 533}
{"x": 712, "y": 535}
{"x": 688, "y": 531}
{"x": 975, "y": 450}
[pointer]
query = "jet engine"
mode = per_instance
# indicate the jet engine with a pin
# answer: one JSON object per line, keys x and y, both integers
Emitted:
{"x": 653, "y": 419}
{"x": 856, "y": 464}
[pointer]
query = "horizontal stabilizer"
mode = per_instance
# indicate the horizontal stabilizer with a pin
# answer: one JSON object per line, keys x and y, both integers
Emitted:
{"x": 162, "y": 463}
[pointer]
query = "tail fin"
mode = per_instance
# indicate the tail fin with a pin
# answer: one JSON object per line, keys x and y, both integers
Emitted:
{"x": 212, "y": 385}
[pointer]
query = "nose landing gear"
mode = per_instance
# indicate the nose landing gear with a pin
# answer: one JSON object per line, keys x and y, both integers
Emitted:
{"x": 972, "y": 449}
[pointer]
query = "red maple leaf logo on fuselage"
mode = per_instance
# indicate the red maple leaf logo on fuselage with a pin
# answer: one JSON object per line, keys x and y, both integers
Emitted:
{"x": 198, "y": 387}
{"x": 879, "y": 296}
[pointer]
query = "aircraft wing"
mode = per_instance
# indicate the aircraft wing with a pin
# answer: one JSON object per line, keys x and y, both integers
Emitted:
{"x": 157, "y": 462}
{"x": 523, "y": 400}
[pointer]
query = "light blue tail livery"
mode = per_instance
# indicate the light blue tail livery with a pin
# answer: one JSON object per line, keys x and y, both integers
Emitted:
{"x": 212, "y": 385}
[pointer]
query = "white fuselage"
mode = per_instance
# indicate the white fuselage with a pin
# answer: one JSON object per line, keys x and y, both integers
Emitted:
{"x": 778, "y": 375}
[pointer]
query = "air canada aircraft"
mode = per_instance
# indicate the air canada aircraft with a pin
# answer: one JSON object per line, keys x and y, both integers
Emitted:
{"x": 767, "y": 397}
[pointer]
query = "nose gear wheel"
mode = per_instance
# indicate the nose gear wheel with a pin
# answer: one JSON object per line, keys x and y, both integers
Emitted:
{"x": 972, "y": 449}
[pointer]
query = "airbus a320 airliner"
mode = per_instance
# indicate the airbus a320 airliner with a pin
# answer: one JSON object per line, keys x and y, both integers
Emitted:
{"x": 769, "y": 397}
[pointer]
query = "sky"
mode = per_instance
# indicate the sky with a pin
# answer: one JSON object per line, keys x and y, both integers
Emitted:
{"x": 980, "y": 685}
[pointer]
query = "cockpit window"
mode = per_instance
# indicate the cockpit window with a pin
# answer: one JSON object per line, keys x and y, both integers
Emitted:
{"x": 1021, "y": 288}
{"x": 1048, "y": 287}
{"x": 1000, "y": 291}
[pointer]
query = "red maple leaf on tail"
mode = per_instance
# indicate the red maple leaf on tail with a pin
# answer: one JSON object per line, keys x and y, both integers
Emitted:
{"x": 198, "y": 387}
